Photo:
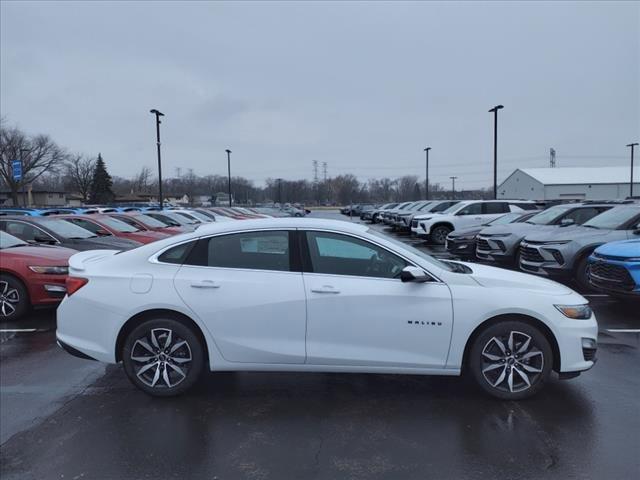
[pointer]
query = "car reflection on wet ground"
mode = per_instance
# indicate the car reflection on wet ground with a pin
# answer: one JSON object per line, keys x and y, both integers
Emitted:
{"x": 63, "y": 417}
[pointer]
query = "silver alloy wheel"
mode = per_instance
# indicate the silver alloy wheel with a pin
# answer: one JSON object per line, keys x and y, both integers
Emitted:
{"x": 512, "y": 362}
{"x": 8, "y": 297}
{"x": 161, "y": 355}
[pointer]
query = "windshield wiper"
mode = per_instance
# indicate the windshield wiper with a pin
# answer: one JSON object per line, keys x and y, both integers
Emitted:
{"x": 15, "y": 245}
{"x": 591, "y": 226}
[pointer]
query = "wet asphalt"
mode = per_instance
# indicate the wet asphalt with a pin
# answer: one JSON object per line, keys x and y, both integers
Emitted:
{"x": 67, "y": 418}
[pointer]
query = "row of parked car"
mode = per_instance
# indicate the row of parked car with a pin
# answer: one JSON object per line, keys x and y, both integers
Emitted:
{"x": 36, "y": 244}
{"x": 594, "y": 244}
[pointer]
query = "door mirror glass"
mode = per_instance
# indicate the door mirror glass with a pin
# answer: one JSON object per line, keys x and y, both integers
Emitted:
{"x": 414, "y": 274}
{"x": 102, "y": 233}
{"x": 43, "y": 239}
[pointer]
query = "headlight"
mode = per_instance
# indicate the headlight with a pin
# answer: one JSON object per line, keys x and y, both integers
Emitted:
{"x": 468, "y": 237}
{"x": 559, "y": 242}
{"x": 50, "y": 270}
{"x": 499, "y": 235}
{"x": 633, "y": 259}
{"x": 577, "y": 312}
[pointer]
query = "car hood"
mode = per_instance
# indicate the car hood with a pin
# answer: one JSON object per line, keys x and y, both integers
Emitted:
{"x": 493, "y": 277}
{"x": 567, "y": 234}
{"x": 43, "y": 255}
{"x": 623, "y": 249}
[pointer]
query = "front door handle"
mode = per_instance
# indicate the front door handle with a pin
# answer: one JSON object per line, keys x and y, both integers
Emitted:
{"x": 205, "y": 284}
{"x": 325, "y": 289}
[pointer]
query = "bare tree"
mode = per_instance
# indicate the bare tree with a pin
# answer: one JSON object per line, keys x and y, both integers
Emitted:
{"x": 80, "y": 174}
{"x": 39, "y": 155}
{"x": 141, "y": 180}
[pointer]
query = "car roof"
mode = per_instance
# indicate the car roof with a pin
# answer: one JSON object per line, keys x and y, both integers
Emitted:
{"x": 280, "y": 222}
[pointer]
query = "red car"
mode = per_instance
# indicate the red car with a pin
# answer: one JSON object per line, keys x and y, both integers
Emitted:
{"x": 30, "y": 276}
{"x": 105, "y": 225}
{"x": 145, "y": 222}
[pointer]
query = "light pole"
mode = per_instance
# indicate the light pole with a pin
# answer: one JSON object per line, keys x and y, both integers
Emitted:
{"x": 158, "y": 114}
{"x": 426, "y": 181}
{"x": 495, "y": 149}
{"x": 453, "y": 187}
{"x": 229, "y": 173}
{"x": 24, "y": 181}
{"x": 632, "y": 146}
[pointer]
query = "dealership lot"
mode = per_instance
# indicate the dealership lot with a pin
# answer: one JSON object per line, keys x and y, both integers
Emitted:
{"x": 63, "y": 417}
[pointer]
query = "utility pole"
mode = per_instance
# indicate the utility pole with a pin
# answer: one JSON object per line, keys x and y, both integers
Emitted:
{"x": 316, "y": 185}
{"x": 453, "y": 187}
{"x": 229, "y": 174}
{"x": 426, "y": 179}
{"x": 632, "y": 146}
{"x": 158, "y": 122}
{"x": 552, "y": 157}
{"x": 495, "y": 149}
{"x": 324, "y": 171}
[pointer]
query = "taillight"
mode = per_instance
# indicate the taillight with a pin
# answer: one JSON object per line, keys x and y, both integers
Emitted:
{"x": 74, "y": 284}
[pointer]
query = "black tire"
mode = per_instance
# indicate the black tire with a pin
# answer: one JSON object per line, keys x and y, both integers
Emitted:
{"x": 14, "y": 298}
{"x": 492, "y": 369}
{"x": 581, "y": 277}
{"x": 439, "y": 234}
{"x": 149, "y": 375}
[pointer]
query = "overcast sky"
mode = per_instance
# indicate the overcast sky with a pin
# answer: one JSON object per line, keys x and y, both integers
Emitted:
{"x": 361, "y": 86}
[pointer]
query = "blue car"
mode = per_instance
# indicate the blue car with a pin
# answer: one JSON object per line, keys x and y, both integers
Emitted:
{"x": 614, "y": 268}
{"x": 27, "y": 212}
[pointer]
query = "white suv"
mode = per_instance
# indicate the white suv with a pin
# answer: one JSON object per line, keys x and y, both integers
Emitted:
{"x": 465, "y": 214}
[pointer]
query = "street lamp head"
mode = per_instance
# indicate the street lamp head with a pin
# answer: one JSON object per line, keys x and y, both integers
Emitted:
{"x": 228, "y": 151}
{"x": 156, "y": 112}
{"x": 633, "y": 144}
{"x": 427, "y": 149}
{"x": 496, "y": 108}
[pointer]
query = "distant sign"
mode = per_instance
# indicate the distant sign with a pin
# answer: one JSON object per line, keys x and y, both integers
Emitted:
{"x": 16, "y": 169}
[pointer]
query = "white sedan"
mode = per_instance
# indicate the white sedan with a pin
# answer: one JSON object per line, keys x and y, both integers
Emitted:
{"x": 287, "y": 294}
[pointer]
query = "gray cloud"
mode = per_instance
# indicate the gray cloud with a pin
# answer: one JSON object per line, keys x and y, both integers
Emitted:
{"x": 363, "y": 86}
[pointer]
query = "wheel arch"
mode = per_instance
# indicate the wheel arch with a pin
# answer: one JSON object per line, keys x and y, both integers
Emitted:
{"x": 442, "y": 223}
{"x": 141, "y": 317}
{"x": 534, "y": 322}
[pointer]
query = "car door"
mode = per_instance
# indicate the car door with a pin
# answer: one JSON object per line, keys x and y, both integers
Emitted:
{"x": 360, "y": 313}
{"x": 470, "y": 216}
{"x": 245, "y": 288}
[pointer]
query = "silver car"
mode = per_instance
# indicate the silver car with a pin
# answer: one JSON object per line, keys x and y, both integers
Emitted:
{"x": 563, "y": 252}
{"x": 500, "y": 243}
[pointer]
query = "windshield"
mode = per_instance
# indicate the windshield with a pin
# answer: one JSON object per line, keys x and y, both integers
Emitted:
{"x": 150, "y": 221}
{"x": 614, "y": 218}
{"x": 8, "y": 241}
{"x": 508, "y": 218}
{"x": 187, "y": 216}
{"x": 66, "y": 229}
{"x": 454, "y": 208}
{"x": 549, "y": 215}
{"x": 118, "y": 225}
{"x": 415, "y": 251}
{"x": 202, "y": 217}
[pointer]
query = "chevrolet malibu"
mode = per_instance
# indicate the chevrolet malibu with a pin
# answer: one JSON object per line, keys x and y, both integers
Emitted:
{"x": 287, "y": 294}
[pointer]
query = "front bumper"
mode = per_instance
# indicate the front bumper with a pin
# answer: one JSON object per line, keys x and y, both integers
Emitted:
{"x": 494, "y": 249}
{"x": 578, "y": 343}
{"x": 463, "y": 248}
{"x": 614, "y": 276}
{"x": 47, "y": 289}
{"x": 544, "y": 259}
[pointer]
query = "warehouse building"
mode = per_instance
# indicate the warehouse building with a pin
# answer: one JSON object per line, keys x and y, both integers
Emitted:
{"x": 570, "y": 183}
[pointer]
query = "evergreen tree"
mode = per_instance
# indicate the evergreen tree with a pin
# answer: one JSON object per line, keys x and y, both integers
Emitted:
{"x": 101, "y": 185}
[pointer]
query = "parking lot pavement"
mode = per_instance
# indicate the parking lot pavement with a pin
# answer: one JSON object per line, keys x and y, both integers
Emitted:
{"x": 61, "y": 417}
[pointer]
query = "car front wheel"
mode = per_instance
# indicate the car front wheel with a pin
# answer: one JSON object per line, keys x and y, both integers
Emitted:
{"x": 439, "y": 234}
{"x": 511, "y": 360}
{"x": 14, "y": 300}
{"x": 163, "y": 357}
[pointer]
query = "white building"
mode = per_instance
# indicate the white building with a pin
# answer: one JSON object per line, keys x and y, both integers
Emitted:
{"x": 570, "y": 183}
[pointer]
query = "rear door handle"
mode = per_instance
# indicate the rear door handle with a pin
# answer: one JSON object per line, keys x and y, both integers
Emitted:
{"x": 325, "y": 289}
{"x": 205, "y": 284}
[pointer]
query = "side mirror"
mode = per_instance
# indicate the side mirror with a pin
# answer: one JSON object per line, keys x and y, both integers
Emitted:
{"x": 565, "y": 222}
{"x": 43, "y": 239}
{"x": 637, "y": 230}
{"x": 102, "y": 233}
{"x": 414, "y": 274}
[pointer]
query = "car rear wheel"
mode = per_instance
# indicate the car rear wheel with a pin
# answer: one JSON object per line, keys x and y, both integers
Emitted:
{"x": 511, "y": 360}
{"x": 14, "y": 299}
{"x": 439, "y": 234}
{"x": 163, "y": 357}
